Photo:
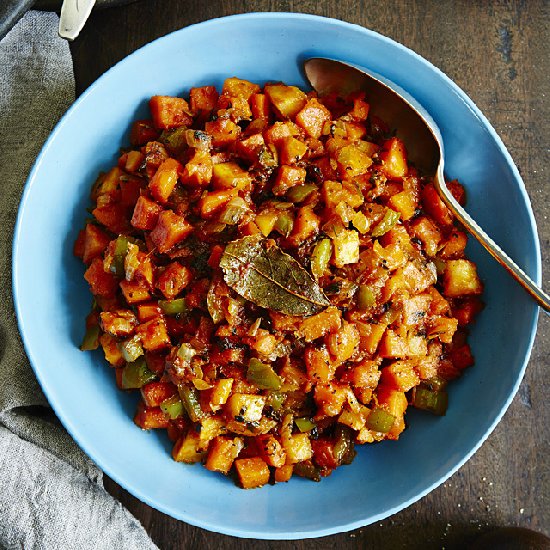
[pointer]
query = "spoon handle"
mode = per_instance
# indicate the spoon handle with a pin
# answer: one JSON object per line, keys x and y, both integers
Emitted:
{"x": 542, "y": 299}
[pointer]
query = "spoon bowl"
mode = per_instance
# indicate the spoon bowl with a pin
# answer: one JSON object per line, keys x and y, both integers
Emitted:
{"x": 424, "y": 145}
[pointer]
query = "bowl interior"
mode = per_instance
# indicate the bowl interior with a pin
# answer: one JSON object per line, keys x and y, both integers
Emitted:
{"x": 52, "y": 298}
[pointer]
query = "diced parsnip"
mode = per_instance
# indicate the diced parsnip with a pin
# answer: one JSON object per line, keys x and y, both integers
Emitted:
{"x": 396, "y": 346}
{"x": 169, "y": 112}
{"x": 237, "y": 87}
{"x": 319, "y": 365}
{"x": 244, "y": 407}
{"x": 169, "y": 230}
{"x": 266, "y": 221}
{"x": 325, "y": 322}
{"x": 153, "y": 334}
{"x": 354, "y": 419}
{"x": 271, "y": 450}
{"x": 312, "y": 117}
{"x": 346, "y": 247}
{"x": 405, "y": 202}
{"x": 213, "y": 202}
{"x": 229, "y": 175}
{"x": 119, "y": 323}
{"x": 415, "y": 309}
{"x": 220, "y": 393}
{"x": 287, "y": 177}
{"x": 293, "y": 378}
{"x": 330, "y": 399}
{"x": 252, "y": 472}
{"x": 112, "y": 352}
{"x": 370, "y": 335}
{"x": 297, "y": 448}
{"x": 442, "y": 328}
{"x": 394, "y": 402}
{"x": 343, "y": 343}
{"x": 211, "y": 427}
{"x": 284, "y": 473}
{"x": 165, "y": 179}
{"x": 186, "y": 448}
{"x": 198, "y": 169}
{"x": 460, "y": 278}
{"x": 400, "y": 375}
{"x": 424, "y": 229}
{"x": 394, "y": 157}
{"x": 306, "y": 225}
{"x": 222, "y": 453}
{"x": 352, "y": 161}
{"x": 364, "y": 374}
{"x": 291, "y": 150}
{"x": 134, "y": 291}
{"x": 287, "y": 100}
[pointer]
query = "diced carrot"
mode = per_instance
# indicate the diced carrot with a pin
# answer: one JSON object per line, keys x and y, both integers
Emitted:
{"x": 101, "y": 283}
{"x": 169, "y": 230}
{"x": 259, "y": 106}
{"x": 150, "y": 418}
{"x": 174, "y": 279}
{"x": 153, "y": 334}
{"x": 400, "y": 375}
{"x": 223, "y": 131}
{"x": 165, "y": 179}
{"x": 287, "y": 177}
{"x": 212, "y": 202}
{"x": 146, "y": 214}
{"x": 169, "y": 112}
{"x": 154, "y": 393}
{"x": 95, "y": 242}
{"x": 114, "y": 217}
{"x": 284, "y": 473}
{"x": 203, "y": 98}
{"x": 435, "y": 207}
{"x": 142, "y": 132}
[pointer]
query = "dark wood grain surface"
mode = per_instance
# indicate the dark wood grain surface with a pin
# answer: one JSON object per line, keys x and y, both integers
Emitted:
{"x": 498, "y": 52}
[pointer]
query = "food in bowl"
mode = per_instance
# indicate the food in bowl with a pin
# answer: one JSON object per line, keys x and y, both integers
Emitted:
{"x": 276, "y": 279}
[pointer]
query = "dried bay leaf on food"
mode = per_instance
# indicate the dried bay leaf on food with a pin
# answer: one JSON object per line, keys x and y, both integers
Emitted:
{"x": 258, "y": 270}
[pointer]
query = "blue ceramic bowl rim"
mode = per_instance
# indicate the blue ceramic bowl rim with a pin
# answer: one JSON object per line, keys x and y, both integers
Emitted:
{"x": 235, "y": 531}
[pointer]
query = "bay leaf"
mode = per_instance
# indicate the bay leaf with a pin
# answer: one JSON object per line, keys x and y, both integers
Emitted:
{"x": 258, "y": 270}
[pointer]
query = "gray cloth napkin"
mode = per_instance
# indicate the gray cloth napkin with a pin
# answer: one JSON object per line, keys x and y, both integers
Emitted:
{"x": 51, "y": 494}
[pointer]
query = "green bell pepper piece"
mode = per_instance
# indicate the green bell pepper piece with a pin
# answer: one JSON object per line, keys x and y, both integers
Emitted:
{"x": 262, "y": 375}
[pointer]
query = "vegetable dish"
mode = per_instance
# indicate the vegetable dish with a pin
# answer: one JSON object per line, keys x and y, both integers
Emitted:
{"x": 276, "y": 278}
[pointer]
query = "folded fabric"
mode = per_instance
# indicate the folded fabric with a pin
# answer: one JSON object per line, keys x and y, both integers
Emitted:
{"x": 52, "y": 494}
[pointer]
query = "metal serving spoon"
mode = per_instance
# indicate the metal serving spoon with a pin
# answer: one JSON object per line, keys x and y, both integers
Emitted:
{"x": 424, "y": 146}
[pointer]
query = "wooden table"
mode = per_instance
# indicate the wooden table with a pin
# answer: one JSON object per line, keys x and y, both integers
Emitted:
{"x": 498, "y": 53}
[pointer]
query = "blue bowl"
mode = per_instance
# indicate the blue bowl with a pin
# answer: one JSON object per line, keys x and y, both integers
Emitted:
{"x": 52, "y": 298}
